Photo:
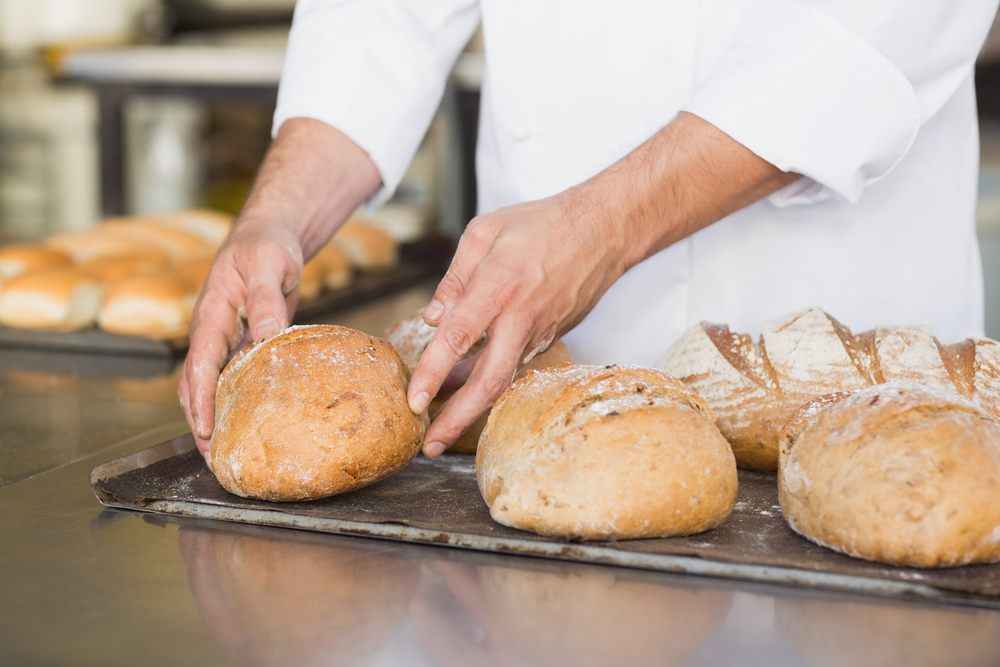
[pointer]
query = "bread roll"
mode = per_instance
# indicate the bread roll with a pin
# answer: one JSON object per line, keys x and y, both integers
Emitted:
{"x": 212, "y": 226}
{"x": 195, "y": 272}
{"x": 61, "y": 298}
{"x": 602, "y": 452}
{"x": 311, "y": 282}
{"x": 155, "y": 305}
{"x": 86, "y": 247}
{"x": 16, "y": 259}
{"x": 113, "y": 269}
{"x": 901, "y": 473}
{"x": 753, "y": 388}
{"x": 312, "y": 412}
{"x": 179, "y": 245}
{"x": 410, "y": 338}
{"x": 337, "y": 272}
{"x": 367, "y": 245}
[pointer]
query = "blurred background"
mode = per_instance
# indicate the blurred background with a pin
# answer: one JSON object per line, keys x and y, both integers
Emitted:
{"x": 111, "y": 107}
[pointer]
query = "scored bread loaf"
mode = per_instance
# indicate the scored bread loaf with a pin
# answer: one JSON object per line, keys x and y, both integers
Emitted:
{"x": 312, "y": 412}
{"x": 754, "y": 388}
{"x": 16, "y": 259}
{"x": 410, "y": 338}
{"x": 902, "y": 473}
{"x": 154, "y": 305}
{"x": 604, "y": 452}
{"x": 63, "y": 298}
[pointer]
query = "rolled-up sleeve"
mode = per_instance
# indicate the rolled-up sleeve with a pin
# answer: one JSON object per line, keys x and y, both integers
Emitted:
{"x": 375, "y": 70}
{"x": 837, "y": 89}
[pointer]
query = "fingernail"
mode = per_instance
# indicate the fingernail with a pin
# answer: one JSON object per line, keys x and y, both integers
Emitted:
{"x": 420, "y": 402}
{"x": 208, "y": 458}
{"x": 434, "y": 309}
{"x": 266, "y": 328}
{"x": 197, "y": 427}
{"x": 434, "y": 449}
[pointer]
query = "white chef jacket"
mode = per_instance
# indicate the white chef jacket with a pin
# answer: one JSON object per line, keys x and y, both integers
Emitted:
{"x": 872, "y": 101}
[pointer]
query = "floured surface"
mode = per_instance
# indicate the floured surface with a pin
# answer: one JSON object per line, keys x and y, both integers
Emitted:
{"x": 437, "y": 502}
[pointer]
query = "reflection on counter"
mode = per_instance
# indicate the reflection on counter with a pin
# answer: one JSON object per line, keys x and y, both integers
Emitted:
{"x": 534, "y": 613}
{"x": 296, "y": 601}
{"x": 867, "y": 634}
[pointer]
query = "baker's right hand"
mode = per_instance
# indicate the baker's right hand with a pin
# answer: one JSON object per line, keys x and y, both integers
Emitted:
{"x": 249, "y": 295}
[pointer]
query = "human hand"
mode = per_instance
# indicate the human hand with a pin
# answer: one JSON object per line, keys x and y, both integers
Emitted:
{"x": 249, "y": 295}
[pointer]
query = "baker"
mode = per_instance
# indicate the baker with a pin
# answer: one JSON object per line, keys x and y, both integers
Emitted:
{"x": 642, "y": 165}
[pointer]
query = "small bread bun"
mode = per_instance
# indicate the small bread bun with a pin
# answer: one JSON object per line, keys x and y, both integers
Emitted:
{"x": 16, "y": 259}
{"x": 154, "y": 305}
{"x": 900, "y": 473}
{"x": 337, "y": 272}
{"x": 312, "y": 412}
{"x": 113, "y": 269}
{"x": 311, "y": 282}
{"x": 212, "y": 226}
{"x": 83, "y": 248}
{"x": 62, "y": 298}
{"x": 179, "y": 245}
{"x": 367, "y": 245}
{"x": 196, "y": 272}
{"x": 602, "y": 452}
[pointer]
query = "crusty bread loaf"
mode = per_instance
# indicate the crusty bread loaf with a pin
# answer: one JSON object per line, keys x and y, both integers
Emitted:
{"x": 410, "y": 338}
{"x": 62, "y": 298}
{"x": 312, "y": 412}
{"x": 112, "y": 269}
{"x": 753, "y": 388}
{"x": 367, "y": 245}
{"x": 902, "y": 473}
{"x": 16, "y": 259}
{"x": 155, "y": 305}
{"x": 601, "y": 452}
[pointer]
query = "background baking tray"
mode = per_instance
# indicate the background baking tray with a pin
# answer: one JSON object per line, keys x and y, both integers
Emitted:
{"x": 438, "y": 502}
{"x": 419, "y": 260}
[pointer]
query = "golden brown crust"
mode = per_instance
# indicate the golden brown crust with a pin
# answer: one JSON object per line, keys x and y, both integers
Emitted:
{"x": 179, "y": 245}
{"x": 16, "y": 259}
{"x": 89, "y": 246}
{"x": 60, "y": 298}
{"x": 599, "y": 452}
{"x": 754, "y": 388}
{"x": 312, "y": 412}
{"x": 368, "y": 246}
{"x": 337, "y": 271}
{"x": 155, "y": 305}
{"x": 901, "y": 473}
{"x": 113, "y": 269}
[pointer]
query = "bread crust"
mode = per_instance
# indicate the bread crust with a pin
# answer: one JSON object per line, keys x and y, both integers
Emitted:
{"x": 63, "y": 298}
{"x": 605, "y": 452}
{"x": 368, "y": 246}
{"x": 312, "y": 412}
{"x": 16, "y": 259}
{"x": 902, "y": 473}
{"x": 155, "y": 305}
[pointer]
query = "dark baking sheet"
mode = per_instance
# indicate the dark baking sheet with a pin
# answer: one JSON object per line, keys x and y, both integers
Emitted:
{"x": 438, "y": 502}
{"x": 419, "y": 260}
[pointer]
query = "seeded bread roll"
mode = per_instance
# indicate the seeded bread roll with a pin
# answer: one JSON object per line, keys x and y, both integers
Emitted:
{"x": 155, "y": 305}
{"x": 62, "y": 298}
{"x": 602, "y": 452}
{"x": 754, "y": 387}
{"x": 312, "y": 412}
{"x": 410, "y": 338}
{"x": 901, "y": 473}
{"x": 367, "y": 245}
{"x": 16, "y": 259}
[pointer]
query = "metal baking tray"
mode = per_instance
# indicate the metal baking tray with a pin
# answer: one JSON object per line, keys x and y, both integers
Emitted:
{"x": 437, "y": 501}
{"x": 419, "y": 260}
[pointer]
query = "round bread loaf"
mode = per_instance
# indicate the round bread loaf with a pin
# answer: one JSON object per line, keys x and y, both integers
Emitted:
{"x": 410, "y": 338}
{"x": 900, "y": 473}
{"x": 602, "y": 452}
{"x": 312, "y": 412}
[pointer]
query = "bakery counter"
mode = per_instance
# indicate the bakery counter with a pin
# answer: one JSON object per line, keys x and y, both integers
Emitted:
{"x": 85, "y": 585}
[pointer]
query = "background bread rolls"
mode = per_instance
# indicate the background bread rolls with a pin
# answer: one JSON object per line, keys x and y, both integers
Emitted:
{"x": 900, "y": 473}
{"x": 599, "y": 452}
{"x": 16, "y": 259}
{"x": 156, "y": 305}
{"x": 367, "y": 245}
{"x": 754, "y": 388}
{"x": 62, "y": 298}
{"x": 312, "y": 412}
{"x": 410, "y": 338}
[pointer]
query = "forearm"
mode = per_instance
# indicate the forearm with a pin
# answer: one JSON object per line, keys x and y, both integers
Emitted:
{"x": 311, "y": 180}
{"x": 685, "y": 177}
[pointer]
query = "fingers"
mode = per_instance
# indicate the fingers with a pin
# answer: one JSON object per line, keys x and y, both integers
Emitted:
{"x": 490, "y": 377}
{"x": 472, "y": 248}
{"x": 267, "y": 310}
{"x": 459, "y": 375}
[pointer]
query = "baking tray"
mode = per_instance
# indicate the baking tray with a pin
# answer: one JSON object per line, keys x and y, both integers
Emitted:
{"x": 419, "y": 260}
{"x": 437, "y": 501}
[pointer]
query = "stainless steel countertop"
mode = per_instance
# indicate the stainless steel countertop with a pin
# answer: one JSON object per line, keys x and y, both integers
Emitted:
{"x": 82, "y": 585}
